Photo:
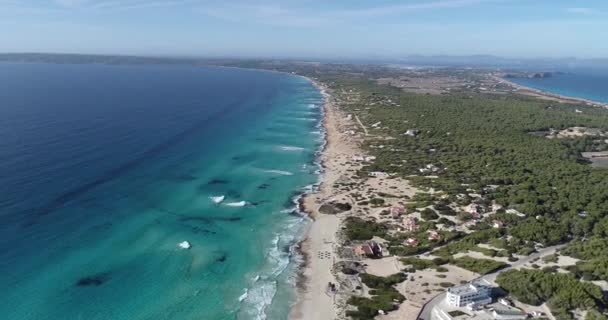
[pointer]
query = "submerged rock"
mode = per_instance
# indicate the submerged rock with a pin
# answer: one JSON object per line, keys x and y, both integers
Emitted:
{"x": 221, "y": 258}
{"x": 217, "y": 181}
{"x": 94, "y": 280}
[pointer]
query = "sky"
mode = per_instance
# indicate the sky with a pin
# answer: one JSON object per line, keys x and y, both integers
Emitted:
{"x": 307, "y": 28}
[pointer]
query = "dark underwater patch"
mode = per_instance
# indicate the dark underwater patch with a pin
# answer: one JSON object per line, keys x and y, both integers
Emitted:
{"x": 94, "y": 280}
{"x": 222, "y": 258}
{"x": 119, "y": 171}
{"x": 199, "y": 230}
{"x": 217, "y": 181}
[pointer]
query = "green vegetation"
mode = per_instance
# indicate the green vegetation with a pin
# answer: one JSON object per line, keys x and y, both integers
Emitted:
{"x": 595, "y": 315}
{"x": 481, "y": 266}
{"x": 562, "y": 292}
{"x": 485, "y": 140}
{"x": 445, "y": 221}
{"x": 376, "y": 201}
{"x": 384, "y": 296}
{"x": 421, "y": 264}
{"x": 428, "y": 214}
{"x": 457, "y": 313}
{"x": 470, "y": 242}
{"x": 591, "y": 248}
{"x": 359, "y": 229}
{"x": 550, "y": 258}
{"x": 594, "y": 258}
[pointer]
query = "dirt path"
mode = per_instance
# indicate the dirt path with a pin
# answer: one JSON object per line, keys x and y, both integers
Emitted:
{"x": 362, "y": 126}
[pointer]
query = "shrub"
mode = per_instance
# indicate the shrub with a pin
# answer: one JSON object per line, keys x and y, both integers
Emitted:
{"x": 359, "y": 229}
{"x": 550, "y": 258}
{"x": 441, "y": 269}
{"x": 376, "y": 201}
{"x": 481, "y": 266}
{"x": 384, "y": 296}
{"x": 428, "y": 214}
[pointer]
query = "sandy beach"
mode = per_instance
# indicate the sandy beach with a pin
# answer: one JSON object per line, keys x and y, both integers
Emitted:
{"x": 344, "y": 134}
{"x": 314, "y": 300}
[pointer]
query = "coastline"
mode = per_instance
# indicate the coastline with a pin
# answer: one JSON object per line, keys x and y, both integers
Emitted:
{"x": 320, "y": 238}
{"x": 545, "y": 95}
{"x": 321, "y": 241}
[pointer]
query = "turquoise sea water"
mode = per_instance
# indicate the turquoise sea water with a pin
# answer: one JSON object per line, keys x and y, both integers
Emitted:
{"x": 105, "y": 169}
{"x": 587, "y": 84}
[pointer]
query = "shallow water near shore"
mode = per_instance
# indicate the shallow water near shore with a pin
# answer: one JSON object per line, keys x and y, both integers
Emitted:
{"x": 105, "y": 169}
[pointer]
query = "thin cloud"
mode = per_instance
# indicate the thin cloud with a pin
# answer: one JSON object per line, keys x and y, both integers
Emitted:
{"x": 120, "y": 4}
{"x": 581, "y": 10}
{"x": 266, "y": 14}
{"x": 70, "y": 3}
{"x": 419, "y": 6}
{"x": 280, "y": 15}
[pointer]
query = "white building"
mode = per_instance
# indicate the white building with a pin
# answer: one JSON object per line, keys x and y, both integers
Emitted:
{"x": 473, "y": 294}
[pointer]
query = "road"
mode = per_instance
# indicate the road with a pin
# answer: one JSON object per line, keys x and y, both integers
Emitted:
{"x": 425, "y": 313}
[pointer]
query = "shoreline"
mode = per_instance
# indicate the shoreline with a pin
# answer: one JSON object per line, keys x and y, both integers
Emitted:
{"x": 542, "y": 94}
{"x": 314, "y": 273}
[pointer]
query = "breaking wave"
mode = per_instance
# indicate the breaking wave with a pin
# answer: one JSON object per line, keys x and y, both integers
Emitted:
{"x": 236, "y": 204}
{"x": 280, "y": 172}
{"x": 217, "y": 199}
{"x": 292, "y": 148}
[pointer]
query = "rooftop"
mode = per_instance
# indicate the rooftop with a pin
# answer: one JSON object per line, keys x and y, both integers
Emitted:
{"x": 471, "y": 287}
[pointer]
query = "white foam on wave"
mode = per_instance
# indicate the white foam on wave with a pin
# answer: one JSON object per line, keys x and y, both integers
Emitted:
{"x": 278, "y": 258}
{"x": 306, "y": 113}
{"x": 244, "y": 295}
{"x": 282, "y": 256}
{"x": 263, "y": 287}
{"x": 258, "y": 298}
{"x": 217, "y": 199}
{"x": 291, "y": 148}
{"x": 236, "y": 204}
{"x": 281, "y": 172}
{"x": 305, "y": 119}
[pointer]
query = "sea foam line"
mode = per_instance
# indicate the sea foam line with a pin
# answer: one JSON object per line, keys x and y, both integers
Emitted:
{"x": 304, "y": 119}
{"x": 291, "y": 148}
{"x": 279, "y": 172}
{"x": 260, "y": 294}
{"x": 236, "y": 204}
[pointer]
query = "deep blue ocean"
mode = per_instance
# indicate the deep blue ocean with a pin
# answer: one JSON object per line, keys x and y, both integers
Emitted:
{"x": 578, "y": 83}
{"x": 104, "y": 170}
